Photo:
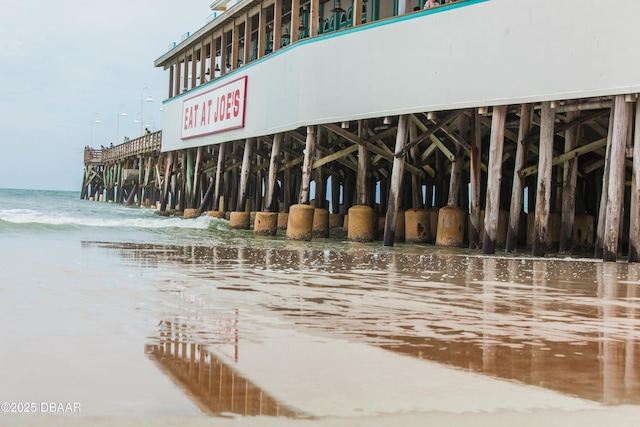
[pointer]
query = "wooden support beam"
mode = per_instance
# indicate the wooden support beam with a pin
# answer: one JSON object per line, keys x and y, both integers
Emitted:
{"x": 443, "y": 148}
{"x": 219, "y": 176}
{"x": 634, "y": 214}
{"x": 364, "y": 160}
{"x": 492, "y": 204}
{"x": 457, "y": 139}
{"x": 396, "y": 183}
{"x": 543, "y": 192}
{"x": 273, "y": 171}
{"x": 369, "y": 146}
{"x": 450, "y": 117}
{"x": 602, "y": 209}
{"x": 517, "y": 188}
{"x": 615, "y": 194}
{"x": 416, "y": 182}
{"x": 306, "y": 166}
{"x": 474, "y": 180}
{"x": 295, "y": 20}
{"x": 455, "y": 182}
{"x": 576, "y": 152}
{"x": 336, "y": 156}
{"x": 244, "y": 174}
{"x": 167, "y": 177}
{"x": 569, "y": 181}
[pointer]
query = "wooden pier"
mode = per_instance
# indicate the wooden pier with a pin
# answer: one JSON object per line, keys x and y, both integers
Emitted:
{"x": 558, "y": 173}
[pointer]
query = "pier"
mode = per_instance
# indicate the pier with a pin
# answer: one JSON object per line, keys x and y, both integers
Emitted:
{"x": 412, "y": 148}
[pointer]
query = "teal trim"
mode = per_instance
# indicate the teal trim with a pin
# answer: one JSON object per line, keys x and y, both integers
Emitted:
{"x": 320, "y": 38}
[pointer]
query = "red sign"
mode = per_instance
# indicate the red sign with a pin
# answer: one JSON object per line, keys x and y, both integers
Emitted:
{"x": 216, "y": 110}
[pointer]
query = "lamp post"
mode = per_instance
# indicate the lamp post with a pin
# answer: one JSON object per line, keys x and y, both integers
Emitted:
{"x": 96, "y": 120}
{"x": 147, "y": 91}
{"x": 121, "y": 112}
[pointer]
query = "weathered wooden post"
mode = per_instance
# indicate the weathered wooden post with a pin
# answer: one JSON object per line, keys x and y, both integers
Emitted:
{"x": 300, "y": 221}
{"x": 615, "y": 194}
{"x": 634, "y": 226}
{"x": 219, "y": 174}
{"x": 168, "y": 171}
{"x": 396, "y": 182}
{"x": 543, "y": 198}
{"x": 569, "y": 179}
{"x": 196, "y": 178}
{"x": 363, "y": 170}
{"x": 492, "y": 204}
{"x": 517, "y": 187}
{"x": 602, "y": 209}
{"x": 474, "y": 181}
{"x": 273, "y": 173}
{"x": 455, "y": 181}
{"x": 416, "y": 183}
{"x": 306, "y": 166}
{"x": 240, "y": 218}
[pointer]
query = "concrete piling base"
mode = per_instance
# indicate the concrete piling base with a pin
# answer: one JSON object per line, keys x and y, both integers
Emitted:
{"x": 320, "y": 223}
{"x": 451, "y": 221}
{"x": 417, "y": 224}
{"x": 191, "y": 213}
{"x": 300, "y": 223}
{"x": 361, "y": 227}
{"x": 433, "y": 224}
{"x": 239, "y": 220}
{"x": 266, "y": 223}
{"x": 336, "y": 220}
{"x": 216, "y": 214}
{"x": 283, "y": 219}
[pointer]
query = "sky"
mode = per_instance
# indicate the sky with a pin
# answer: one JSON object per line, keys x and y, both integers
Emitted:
{"x": 65, "y": 63}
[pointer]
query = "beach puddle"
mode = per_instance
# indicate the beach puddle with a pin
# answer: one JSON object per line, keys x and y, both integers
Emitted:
{"x": 300, "y": 332}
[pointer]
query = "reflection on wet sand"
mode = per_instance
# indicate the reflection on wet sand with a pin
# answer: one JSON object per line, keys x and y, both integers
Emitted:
{"x": 564, "y": 325}
{"x": 213, "y": 384}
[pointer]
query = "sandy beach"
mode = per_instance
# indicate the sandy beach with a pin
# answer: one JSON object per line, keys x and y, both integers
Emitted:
{"x": 132, "y": 329}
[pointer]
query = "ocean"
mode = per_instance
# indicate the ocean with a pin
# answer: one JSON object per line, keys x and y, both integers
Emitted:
{"x": 111, "y": 314}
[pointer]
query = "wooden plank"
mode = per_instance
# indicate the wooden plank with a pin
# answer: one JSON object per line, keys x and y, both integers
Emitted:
{"x": 517, "y": 187}
{"x": 492, "y": 204}
{"x": 543, "y": 192}
{"x": 396, "y": 183}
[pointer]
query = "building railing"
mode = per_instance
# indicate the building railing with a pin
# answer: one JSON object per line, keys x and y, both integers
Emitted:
{"x": 145, "y": 144}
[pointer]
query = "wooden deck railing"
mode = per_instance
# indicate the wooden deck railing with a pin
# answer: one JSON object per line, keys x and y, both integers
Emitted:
{"x": 143, "y": 145}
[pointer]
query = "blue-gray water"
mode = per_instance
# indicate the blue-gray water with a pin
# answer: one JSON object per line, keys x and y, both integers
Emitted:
{"x": 134, "y": 315}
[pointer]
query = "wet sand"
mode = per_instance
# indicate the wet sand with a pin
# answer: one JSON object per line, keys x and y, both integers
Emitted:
{"x": 300, "y": 334}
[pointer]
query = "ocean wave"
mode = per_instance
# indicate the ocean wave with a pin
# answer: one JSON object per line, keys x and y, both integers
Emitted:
{"x": 32, "y": 217}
